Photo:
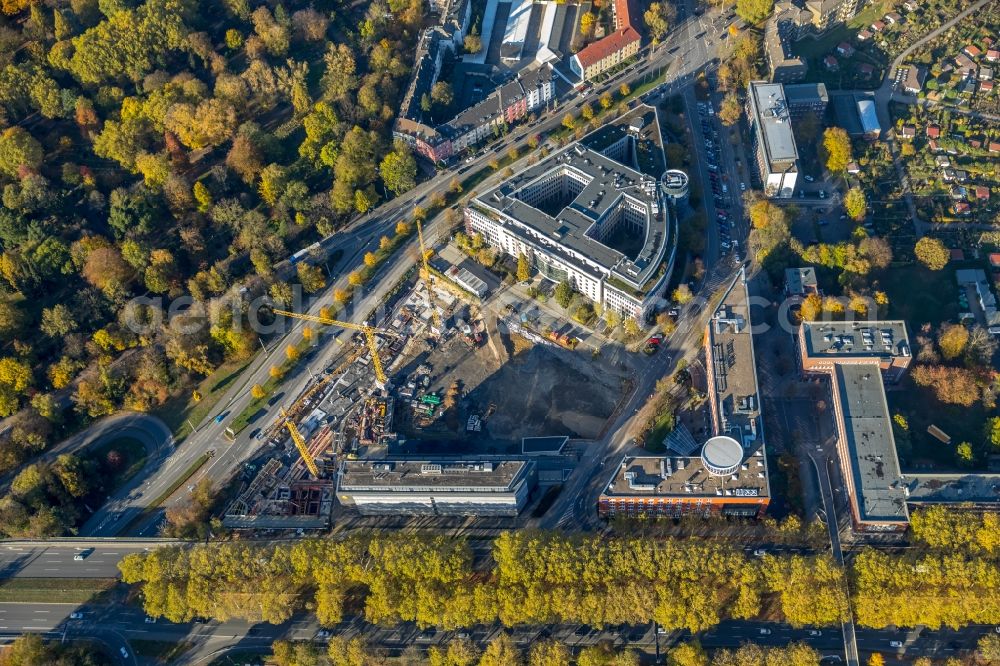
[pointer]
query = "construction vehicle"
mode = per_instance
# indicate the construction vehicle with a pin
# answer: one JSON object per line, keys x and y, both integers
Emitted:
{"x": 369, "y": 332}
{"x": 300, "y": 444}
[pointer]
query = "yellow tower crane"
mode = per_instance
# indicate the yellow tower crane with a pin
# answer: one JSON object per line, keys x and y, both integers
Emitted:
{"x": 368, "y": 331}
{"x": 300, "y": 444}
{"x": 427, "y": 275}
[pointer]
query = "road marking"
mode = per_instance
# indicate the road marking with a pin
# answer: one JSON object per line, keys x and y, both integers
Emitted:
{"x": 44, "y": 611}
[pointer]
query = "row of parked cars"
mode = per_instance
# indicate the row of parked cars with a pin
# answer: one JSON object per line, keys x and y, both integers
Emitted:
{"x": 720, "y": 190}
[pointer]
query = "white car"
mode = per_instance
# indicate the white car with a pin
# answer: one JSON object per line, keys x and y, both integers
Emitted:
{"x": 150, "y": 619}
{"x": 124, "y": 652}
{"x": 896, "y": 644}
{"x": 815, "y": 632}
{"x": 76, "y": 616}
{"x": 765, "y": 632}
{"x": 809, "y": 179}
{"x": 323, "y": 633}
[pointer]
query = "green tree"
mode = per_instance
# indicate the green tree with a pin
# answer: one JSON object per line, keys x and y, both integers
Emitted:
{"x": 15, "y": 378}
{"x": 658, "y": 18}
{"x": 632, "y": 328}
{"x": 281, "y": 293}
{"x": 836, "y": 149}
{"x": 442, "y": 93}
{"x": 993, "y": 431}
{"x": 932, "y": 253}
{"x": 989, "y": 649}
{"x": 754, "y": 11}
{"x": 501, "y": 652}
{"x": 965, "y": 455}
{"x": 399, "y": 169}
{"x": 730, "y": 110}
{"x": 549, "y": 653}
{"x": 564, "y": 293}
{"x": 523, "y": 268}
{"x": 58, "y": 321}
{"x": 682, "y": 294}
{"x": 311, "y": 277}
{"x": 18, "y": 149}
{"x": 855, "y": 204}
{"x": 202, "y": 196}
{"x": 27, "y": 650}
{"x": 473, "y": 43}
{"x": 687, "y": 654}
{"x": 952, "y": 339}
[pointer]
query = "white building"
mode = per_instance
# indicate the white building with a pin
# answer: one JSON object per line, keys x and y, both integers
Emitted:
{"x": 773, "y": 141}
{"x": 584, "y": 217}
{"x": 441, "y": 487}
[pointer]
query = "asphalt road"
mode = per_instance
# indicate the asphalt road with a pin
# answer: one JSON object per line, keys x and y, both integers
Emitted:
{"x": 117, "y": 624}
{"x": 55, "y": 560}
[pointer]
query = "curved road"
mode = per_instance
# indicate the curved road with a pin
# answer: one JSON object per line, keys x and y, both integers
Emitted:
{"x": 151, "y": 431}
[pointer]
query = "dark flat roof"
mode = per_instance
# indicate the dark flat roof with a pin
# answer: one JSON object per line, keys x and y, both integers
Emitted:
{"x": 879, "y": 495}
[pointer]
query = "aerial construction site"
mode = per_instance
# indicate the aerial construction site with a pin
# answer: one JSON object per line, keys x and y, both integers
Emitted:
{"x": 463, "y": 364}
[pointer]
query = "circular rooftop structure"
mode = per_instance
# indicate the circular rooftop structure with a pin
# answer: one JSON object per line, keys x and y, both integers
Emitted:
{"x": 722, "y": 455}
{"x": 675, "y": 183}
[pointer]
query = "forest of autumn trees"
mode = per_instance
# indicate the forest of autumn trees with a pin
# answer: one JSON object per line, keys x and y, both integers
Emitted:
{"x": 171, "y": 148}
{"x": 541, "y": 577}
{"x": 537, "y": 578}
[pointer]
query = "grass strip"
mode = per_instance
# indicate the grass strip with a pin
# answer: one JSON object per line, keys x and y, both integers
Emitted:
{"x": 179, "y": 481}
{"x": 54, "y": 590}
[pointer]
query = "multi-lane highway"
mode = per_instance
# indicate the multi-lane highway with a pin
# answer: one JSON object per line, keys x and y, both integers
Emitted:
{"x": 118, "y": 624}
{"x": 28, "y": 559}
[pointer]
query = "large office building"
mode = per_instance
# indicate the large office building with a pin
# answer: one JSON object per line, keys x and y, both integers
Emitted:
{"x": 859, "y": 357}
{"x": 730, "y": 475}
{"x": 803, "y": 98}
{"x": 447, "y": 488}
{"x": 867, "y": 450}
{"x": 884, "y": 344}
{"x": 585, "y": 216}
{"x": 773, "y": 142}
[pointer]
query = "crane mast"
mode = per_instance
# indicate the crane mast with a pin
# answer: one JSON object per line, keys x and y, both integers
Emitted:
{"x": 300, "y": 444}
{"x": 428, "y": 282}
{"x": 368, "y": 331}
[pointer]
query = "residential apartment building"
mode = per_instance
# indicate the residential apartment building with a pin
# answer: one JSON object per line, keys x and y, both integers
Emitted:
{"x": 828, "y": 13}
{"x": 782, "y": 29}
{"x": 773, "y": 142}
{"x": 609, "y": 51}
{"x": 509, "y": 103}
